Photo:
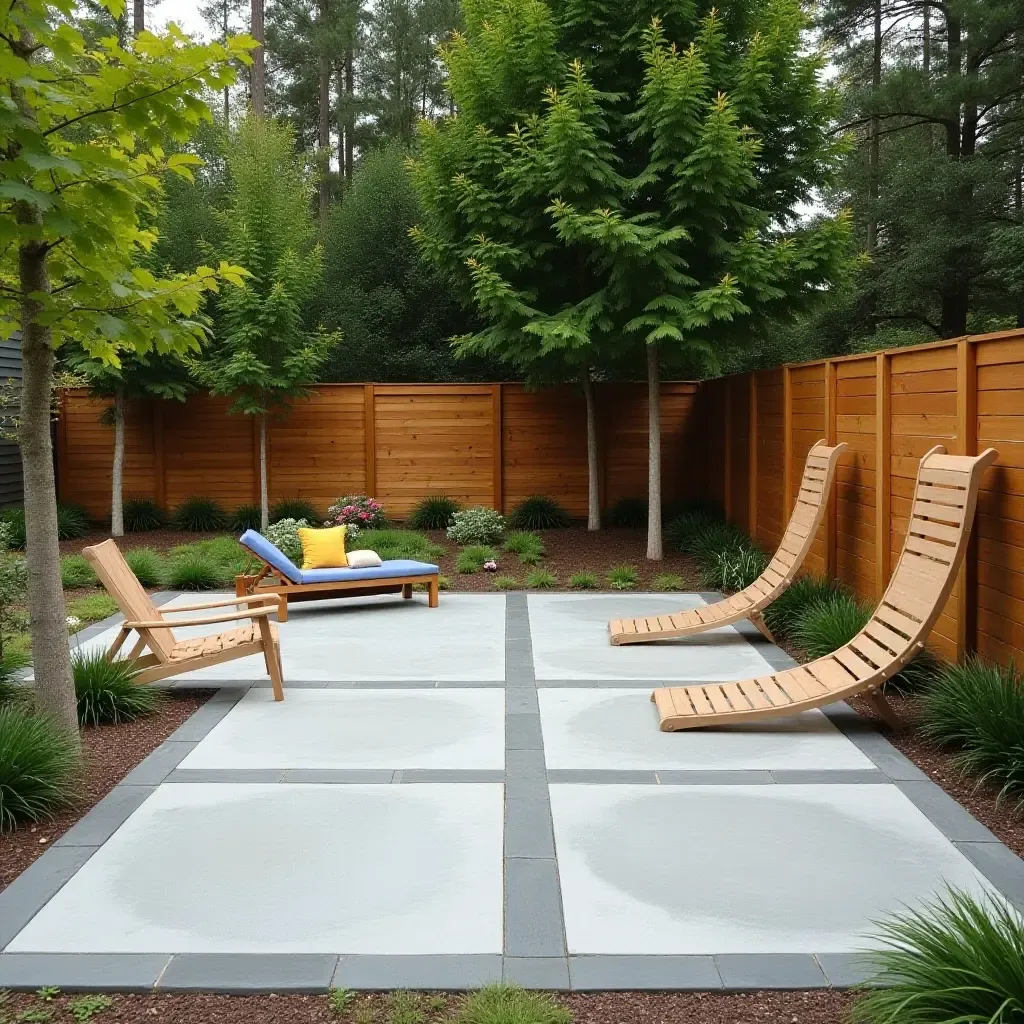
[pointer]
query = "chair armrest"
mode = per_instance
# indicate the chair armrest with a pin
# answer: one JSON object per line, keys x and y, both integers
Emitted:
{"x": 223, "y": 603}
{"x": 204, "y": 620}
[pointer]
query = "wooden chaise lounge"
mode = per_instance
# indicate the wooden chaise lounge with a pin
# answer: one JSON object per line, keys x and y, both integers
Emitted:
{"x": 169, "y": 656}
{"x": 281, "y": 577}
{"x": 945, "y": 498}
{"x": 749, "y": 603}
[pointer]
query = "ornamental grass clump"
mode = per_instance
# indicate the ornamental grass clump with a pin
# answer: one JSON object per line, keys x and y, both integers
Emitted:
{"x": 246, "y": 517}
{"x": 956, "y": 960}
{"x": 668, "y": 581}
{"x": 195, "y": 570}
{"x": 38, "y": 764}
{"x": 472, "y": 558}
{"x": 294, "y": 508}
{"x": 541, "y": 579}
{"x": 977, "y": 709}
{"x": 826, "y": 625}
{"x": 142, "y": 514}
{"x": 76, "y": 572}
{"x": 392, "y": 543}
{"x": 734, "y": 568}
{"x": 693, "y": 520}
{"x": 782, "y": 614}
{"x": 623, "y": 577}
{"x": 510, "y": 1004}
{"x": 200, "y": 515}
{"x": 528, "y": 546}
{"x": 478, "y": 525}
{"x": 506, "y": 583}
{"x": 106, "y": 691}
{"x": 539, "y": 512}
{"x": 72, "y": 521}
{"x": 433, "y": 512}
{"x": 147, "y": 565}
{"x": 583, "y": 581}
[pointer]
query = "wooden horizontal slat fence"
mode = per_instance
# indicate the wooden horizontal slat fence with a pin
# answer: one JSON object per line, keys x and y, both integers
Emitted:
{"x": 489, "y": 444}
{"x": 890, "y": 408}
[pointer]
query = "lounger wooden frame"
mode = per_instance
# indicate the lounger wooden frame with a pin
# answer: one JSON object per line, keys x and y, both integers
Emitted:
{"x": 271, "y": 581}
{"x": 171, "y": 657}
{"x": 945, "y": 498}
{"x": 808, "y": 514}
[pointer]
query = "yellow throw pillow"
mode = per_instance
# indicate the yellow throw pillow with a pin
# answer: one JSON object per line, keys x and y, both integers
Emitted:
{"x": 323, "y": 549}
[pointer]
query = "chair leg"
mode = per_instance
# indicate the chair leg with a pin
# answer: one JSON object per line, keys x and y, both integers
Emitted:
{"x": 407, "y": 591}
{"x": 272, "y": 658}
{"x": 432, "y": 590}
{"x": 282, "y": 608}
{"x": 883, "y": 709}
{"x": 758, "y": 620}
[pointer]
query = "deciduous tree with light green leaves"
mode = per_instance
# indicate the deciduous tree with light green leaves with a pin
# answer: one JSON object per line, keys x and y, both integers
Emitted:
{"x": 624, "y": 178}
{"x": 263, "y": 353}
{"x": 82, "y": 134}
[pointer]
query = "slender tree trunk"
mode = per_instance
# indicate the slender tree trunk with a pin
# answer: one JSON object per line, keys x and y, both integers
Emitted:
{"x": 655, "y": 552}
{"x": 1018, "y": 212}
{"x": 926, "y": 39}
{"x": 876, "y": 81}
{"x": 324, "y": 121}
{"x": 258, "y": 71}
{"x": 117, "y": 473}
{"x": 51, "y": 657}
{"x": 139, "y": 12}
{"x": 350, "y": 99}
{"x": 593, "y": 460}
{"x": 264, "y": 497}
{"x": 227, "y": 90}
{"x": 955, "y": 296}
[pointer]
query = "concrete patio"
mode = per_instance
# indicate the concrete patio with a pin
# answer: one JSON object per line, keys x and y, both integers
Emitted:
{"x": 454, "y": 796}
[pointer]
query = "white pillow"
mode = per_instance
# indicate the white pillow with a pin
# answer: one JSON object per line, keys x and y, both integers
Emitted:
{"x": 363, "y": 559}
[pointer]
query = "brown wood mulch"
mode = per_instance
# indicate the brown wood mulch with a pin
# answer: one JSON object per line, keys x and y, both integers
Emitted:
{"x": 109, "y": 753}
{"x": 820, "y": 1007}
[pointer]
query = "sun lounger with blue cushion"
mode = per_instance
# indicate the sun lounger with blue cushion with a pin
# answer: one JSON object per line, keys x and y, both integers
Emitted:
{"x": 280, "y": 575}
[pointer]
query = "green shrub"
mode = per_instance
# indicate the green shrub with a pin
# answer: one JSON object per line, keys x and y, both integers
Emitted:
{"x": 510, "y": 1004}
{"x": 681, "y": 528}
{"x": 826, "y": 625}
{"x": 627, "y": 512}
{"x": 541, "y": 579}
{"x": 539, "y": 513}
{"x": 433, "y": 512}
{"x": 92, "y": 608}
{"x": 295, "y": 508}
{"x": 401, "y": 544}
{"x": 443, "y": 583}
{"x": 195, "y": 570}
{"x": 246, "y": 517}
{"x": 978, "y": 708}
{"x": 142, "y": 514}
{"x": 706, "y": 543}
{"x": 623, "y": 577}
{"x": 226, "y": 552}
{"x": 954, "y": 960}
{"x": 734, "y": 569}
{"x": 284, "y": 535}
{"x": 471, "y": 559}
{"x": 668, "y": 581}
{"x": 506, "y": 583}
{"x": 781, "y": 615}
{"x": 147, "y": 565}
{"x": 528, "y": 546}
{"x": 14, "y": 520}
{"x": 200, "y": 515}
{"x": 72, "y": 521}
{"x": 37, "y": 767}
{"x": 106, "y": 691}
{"x": 75, "y": 571}
{"x": 478, "y": 525}
{"x": 583, "y": 581}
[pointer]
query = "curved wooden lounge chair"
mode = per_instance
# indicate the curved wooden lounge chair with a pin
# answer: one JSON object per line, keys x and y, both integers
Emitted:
{"x": 171, "y": 657}
{"x": 940, "y": 523}
{"x": 749, "y": 603}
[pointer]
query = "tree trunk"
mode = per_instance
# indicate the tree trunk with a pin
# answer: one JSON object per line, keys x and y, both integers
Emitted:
{"x": 264, "y": 498}
{"x": 350, "y": 99}
{"x": 51, "y": 657}
{"x": 258, "y": 71}
{"x": 593, "y": 462}
{"x": 876, "y": 81}
{"x": 655, "y": 552}
{"x": 926, "y": 39}
{"x": 117, "y": 473}
{"x": 227, "y": 90}
{"x": 139, "y": 12}
{"x": 324, "y": 121}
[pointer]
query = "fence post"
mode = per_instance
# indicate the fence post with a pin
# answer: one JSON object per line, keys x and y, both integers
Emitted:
{"x": 159, "y": 470}
{"x": 831, "y": 511}
{"x": 727, "y": 460}
{"x": 967, "y": 444}
{"x": 370, "y": 438}
{"x": 883, "y": 471}
{"x": 752, "y": 461}
{"x": 787, "y": 442}
{"x": 497, "y": 448}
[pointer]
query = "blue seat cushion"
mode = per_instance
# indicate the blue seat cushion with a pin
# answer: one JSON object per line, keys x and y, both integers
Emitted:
{"x": 271, "y": 554}
{"x": 389, "y": 570}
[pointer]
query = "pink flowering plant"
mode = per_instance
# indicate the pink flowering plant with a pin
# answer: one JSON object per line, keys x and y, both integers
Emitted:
{"x": 357, "y": 510}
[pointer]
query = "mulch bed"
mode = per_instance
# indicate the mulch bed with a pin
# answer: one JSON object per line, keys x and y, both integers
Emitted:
{"x": 109, "y": 753}
{"x": 159, "y": 540}
{"x": 821, "y": 1007}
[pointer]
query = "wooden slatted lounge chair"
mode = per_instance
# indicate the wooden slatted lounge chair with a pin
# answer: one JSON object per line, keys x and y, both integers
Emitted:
{"x": 945, "y": 498}
{"x": 749, "y": 603}
{"x": 169, "y": 656}
{"x": 281, "y": 577}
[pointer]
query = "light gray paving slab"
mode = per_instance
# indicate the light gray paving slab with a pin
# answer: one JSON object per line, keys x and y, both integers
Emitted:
{"x": 651, "y": 973}
{"x": 337, "y": 869}
{"x": 528, "y": 828}
{"x": 618, "y": 729}
{"x": 106, "y": 817}
{"x": 570, "y": 641}
{"x": 82, "y": 972}
{"x": 237, "y": 974}
{"x": 1001, "y": 866}
{"x": 522, "y": 732}
{"x": 441, "y": 973}
{"x": 533, "y": 920}
{"x": 745, "y": 972}
{"x": 152, "y": 770}
{"x": 955, "y": 822}
{"x": 730, "y": 778}
{"x": 845, "y": 970}
{"x": 621, "y": 895}
{"x": 198, "y": 725}
{"x": 550, "y": 973}
{"x": 869, "y": 776}
{"x": 38, "y": 883}
{"x": 226, "y": 775}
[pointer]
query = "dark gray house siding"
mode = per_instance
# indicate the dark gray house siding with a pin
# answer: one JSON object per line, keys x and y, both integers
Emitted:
{"x": 11, "y": 491}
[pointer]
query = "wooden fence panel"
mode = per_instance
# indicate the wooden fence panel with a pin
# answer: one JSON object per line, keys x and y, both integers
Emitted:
{"x": 770, "y": 457}
{"x": 807, "y": 416}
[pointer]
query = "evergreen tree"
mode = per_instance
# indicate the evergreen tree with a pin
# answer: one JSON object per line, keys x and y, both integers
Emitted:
{"x": 622, "y": 178}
